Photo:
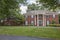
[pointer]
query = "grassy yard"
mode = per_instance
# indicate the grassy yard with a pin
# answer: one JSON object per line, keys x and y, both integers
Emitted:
{"x": 31, "y": 31}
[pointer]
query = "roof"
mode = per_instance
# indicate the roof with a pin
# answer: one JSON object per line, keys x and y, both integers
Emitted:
{"x": 36, "y": 12}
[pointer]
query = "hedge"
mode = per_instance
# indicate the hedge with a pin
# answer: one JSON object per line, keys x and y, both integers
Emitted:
{"x": 54, "y": 25}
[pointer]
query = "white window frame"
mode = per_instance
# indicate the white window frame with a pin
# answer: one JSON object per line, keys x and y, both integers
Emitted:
{"x": 26, "y": 22}
{"x": 1, "y": 21}
{"x": 53, "y": 15}
{"x": 26, "y": 16}
{"x": 32, "y": 16}
{"x": 32, "y": 22}
{"x": 48, "y": 22}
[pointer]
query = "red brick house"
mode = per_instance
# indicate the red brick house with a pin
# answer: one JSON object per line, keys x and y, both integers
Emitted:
{"x": 10, "y": 22}
{"x": 41, "y": 17}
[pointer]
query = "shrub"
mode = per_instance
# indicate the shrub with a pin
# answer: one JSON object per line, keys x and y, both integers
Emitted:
{"x": 54, "y": 25}
{"x": 53, "y": 22}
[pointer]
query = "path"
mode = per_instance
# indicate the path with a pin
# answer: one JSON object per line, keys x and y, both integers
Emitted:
{"x": 4, "y": 37}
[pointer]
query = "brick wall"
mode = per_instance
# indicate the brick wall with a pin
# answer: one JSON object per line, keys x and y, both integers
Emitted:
{"x": 56, "y": 19}
{"x": 29, "y": 19}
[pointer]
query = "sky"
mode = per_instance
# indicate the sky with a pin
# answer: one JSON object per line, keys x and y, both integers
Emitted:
{"x": 31, "y": 1}
{"x": 24, "y": 8}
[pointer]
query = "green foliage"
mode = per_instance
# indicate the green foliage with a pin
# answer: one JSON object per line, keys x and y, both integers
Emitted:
{"x": 32, "y": 24}
{"x": 54, "y": 25}
{"x": 51, "y": 4}
{"x": 10, "y": 8}
{"x": 6, "y": 6}
{"x": 53, "y": 22}
{"x": 33, "y": 7}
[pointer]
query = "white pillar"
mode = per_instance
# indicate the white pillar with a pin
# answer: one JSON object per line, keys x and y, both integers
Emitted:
{"x": 43, "y": 19}
{"x": 37, "y": 20}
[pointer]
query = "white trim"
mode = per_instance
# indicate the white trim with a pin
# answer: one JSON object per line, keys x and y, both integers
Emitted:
{"x": 53, "y": 15}
{"x": 26, "y": 22}
{"x": 1, "y": 21}
{"x": 32, "y": 22}
{"x": 48, "y": 22}
{"x": 32, "y": 16}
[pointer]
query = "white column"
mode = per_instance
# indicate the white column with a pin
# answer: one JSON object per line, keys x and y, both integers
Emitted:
{"x": 37, "y": 20}
{"x": 43, "y": 19}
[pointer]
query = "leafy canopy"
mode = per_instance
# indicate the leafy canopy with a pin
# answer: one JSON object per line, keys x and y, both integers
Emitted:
{"x": 9, "y": 7}
{"x": 33, "y": 7}
{"x": 51, "y": 4}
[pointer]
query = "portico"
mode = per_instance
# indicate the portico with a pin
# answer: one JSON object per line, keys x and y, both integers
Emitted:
{"x": 41, "y": 17}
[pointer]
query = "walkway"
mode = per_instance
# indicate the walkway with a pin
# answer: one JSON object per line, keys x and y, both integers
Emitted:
{"x": 4, "y": 37}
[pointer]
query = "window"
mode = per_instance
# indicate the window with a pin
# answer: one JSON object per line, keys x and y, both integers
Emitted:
{"x": 53, "y": 16}
{"x": 32, "y": 22}
{"x": 47, "y": 16}
{"x": 1, "y": 21}
{"x": 26, "y": 23}
{"x": 40, "y": 16}
{"x": 48, "y": 22}
{"x": 32, "y": 16}
{"x": 40, "y": 22}
{"x": 26, "y": 16}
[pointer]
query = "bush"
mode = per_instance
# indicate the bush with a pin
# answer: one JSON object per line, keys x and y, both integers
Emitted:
{"x": 31, "y": 24}
{"x": 53, "y": 22}
{"x": 54, "y": 25}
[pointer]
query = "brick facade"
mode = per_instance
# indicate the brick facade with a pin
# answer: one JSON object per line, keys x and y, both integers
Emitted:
{"x": 40, "y": 19}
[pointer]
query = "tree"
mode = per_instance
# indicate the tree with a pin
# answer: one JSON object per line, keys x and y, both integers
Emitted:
{"x": 33, "y": 7}
{"x": 36, "y": 6}
{"x": 50, "y": 4}
{"x": 10, "y": 8}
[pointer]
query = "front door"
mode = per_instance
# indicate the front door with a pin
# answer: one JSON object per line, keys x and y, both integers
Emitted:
{"x": 40, "y": 22}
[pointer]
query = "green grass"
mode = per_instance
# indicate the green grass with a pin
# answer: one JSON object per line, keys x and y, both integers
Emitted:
{"x": 31, "y": 31}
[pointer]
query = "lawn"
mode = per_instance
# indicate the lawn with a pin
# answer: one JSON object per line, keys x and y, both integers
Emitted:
{"x": 45, "y": 32}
